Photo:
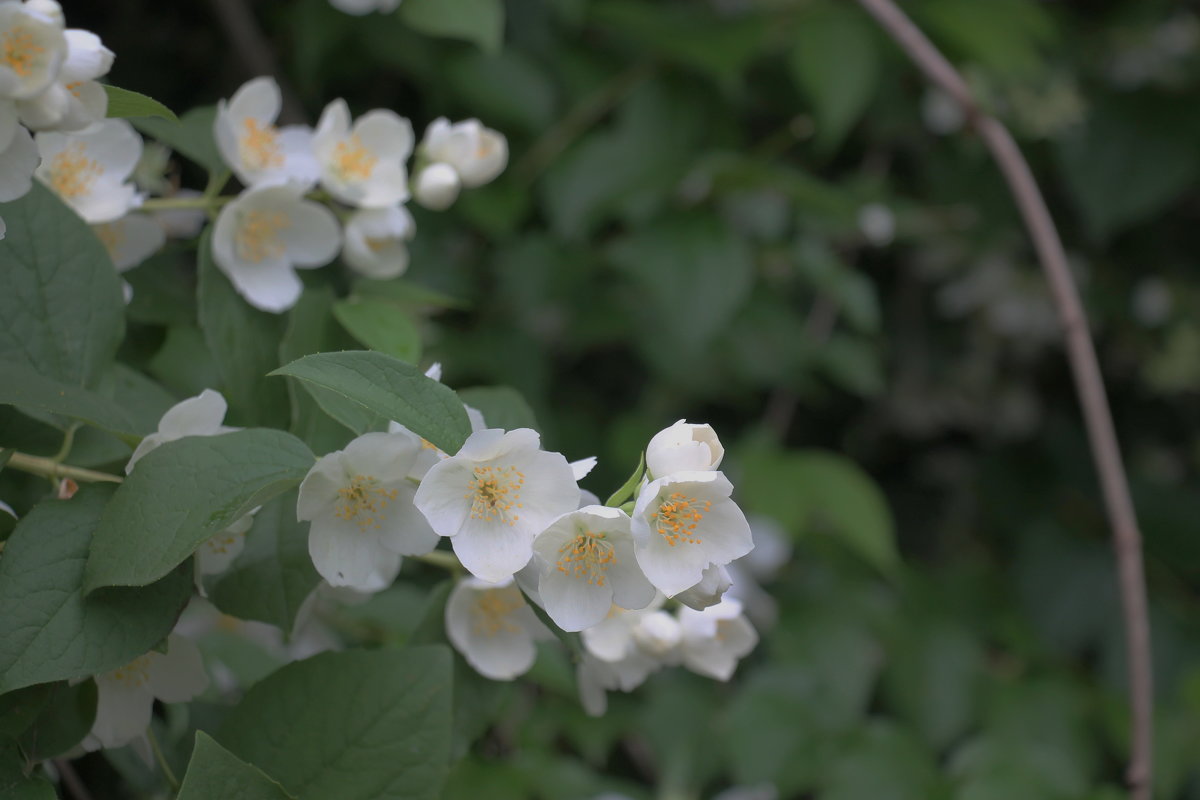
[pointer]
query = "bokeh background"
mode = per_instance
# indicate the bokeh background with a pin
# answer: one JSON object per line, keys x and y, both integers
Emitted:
{"x": 755, "y": 213}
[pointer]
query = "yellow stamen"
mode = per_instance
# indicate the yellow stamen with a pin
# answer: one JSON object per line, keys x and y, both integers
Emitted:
{"x": 495, "y": 492}
{"x": 134, "y": 673}
{"x": 257, "y": 236}
{"x": 587, "y": 556}
{"x": 72, "y": 173}
{"x": 353, "y": 160}
{"x": 363, "y": 501}
{"x": 259, "y": 146}
{"x": 678, "y": 517}
{"x": 19, "y": 51}
{"x": 490, "y": 614}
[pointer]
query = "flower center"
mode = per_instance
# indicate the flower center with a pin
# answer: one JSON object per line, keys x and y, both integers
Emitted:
{"x": 490, "y": 614}
{"x": 363, "y": 501}
{"x": 257, "y": 237}
{"x": 133, "y": 674}
{"x": 587, "y": 556}
{"x": 72, "y": 173}
{"x": 19, "y": 51}
{"x": 677, "y": 517}
{"x": 220, "y": 544}
{"x": 353, "y": 160}
{"x": 495, "y": 491}
{"x": 259, "y": 146}
{"x": 376, "y": 245}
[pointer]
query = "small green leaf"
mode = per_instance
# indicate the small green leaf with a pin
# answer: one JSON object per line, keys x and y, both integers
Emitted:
{"x": 66, "y": 718}
{"x": 49, "y": 631}
{"x": 501, "y": 406}
{"x": 355, "y": 725}
{"x": 23, "y": 387}
{"x": 627, "y": 489}
{"x": 124, "y": 103}
{"x": 191, "y": 136}
{"x": 183, "y": 493}
{"x": 214, "y": 773}
{"x": 274, "y": 575}
{"x": 477, "y": 21}
{"x": 408, "y": 295}
{"x": 19, "y": 780}
{"x": 390, "y": 388}
{"x": 61, "y": 311}
{"x": 381, "y": 326}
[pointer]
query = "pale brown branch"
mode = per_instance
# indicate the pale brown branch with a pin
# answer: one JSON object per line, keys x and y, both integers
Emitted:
{"x": 1084, "y": 367}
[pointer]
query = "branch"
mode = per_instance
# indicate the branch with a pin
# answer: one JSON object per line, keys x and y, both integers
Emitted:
{"x": 255, "y": 51}
{"x": 49, "y": 468}
{"x": 1085, "y": 368}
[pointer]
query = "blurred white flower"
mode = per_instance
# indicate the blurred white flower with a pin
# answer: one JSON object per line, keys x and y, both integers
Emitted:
{"x": 1152, "y": 302}
{"x": 256, "y": 150}
{"x": 376, "y": 243}
{"x": 131, "y": 239}
{"x": 682, "y": 524}
{"x": 75, "y": 99}
{"x": 877, "y": 224}
{"x": 493, "y": 627}
{"x": 714, "y": 639}
{"x": 586, "y": 565}
{"x": 18, "y": 157}
{"x": 216, "y": 554}
{"x": 683, "y": 447}
{"x": 437, "y": 186}
{"x": 90, "y": 169}
{"x": 494, "y": 496}
{"x": 709, "y": 591}
{"x": 125, "y": 697}
{"x": 359, "y": 501}
{"x": 941, "y": 113}
{"x": 476, "y": 153}
{"x": 363, "y": 165}
{"x": 32, "y": 50}
{"x": 262, "y": 236}
{"x": 201, "y": 415}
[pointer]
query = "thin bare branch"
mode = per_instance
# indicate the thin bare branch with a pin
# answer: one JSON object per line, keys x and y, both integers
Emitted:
{"x": 1085, "y": 368}
{"x": 256, "y": 54}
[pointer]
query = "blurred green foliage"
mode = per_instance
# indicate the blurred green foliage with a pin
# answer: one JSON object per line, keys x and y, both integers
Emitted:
{"x": 755, "y": 213}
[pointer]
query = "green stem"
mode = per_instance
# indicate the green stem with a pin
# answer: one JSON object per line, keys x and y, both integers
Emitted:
{"x": 168, "y": 773}
{"x": 202, "y": 203}
{"x": 49, "y": 468}
{"x": 440, "y": 558}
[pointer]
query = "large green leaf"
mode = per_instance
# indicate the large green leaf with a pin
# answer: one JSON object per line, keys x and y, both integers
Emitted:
{"x": 838, "y": 35}
{"x": 61, "y": 311}
{"x": 274, "y": 574}
{"x": 183, "y": 493}
{"x": 66, "y": 718}
{"x": 380, "y": 325}
{"x": 192, "y": 136}
{"x": 311, "y": 328}
{"x": 214, "y": 773}
{"x": 124, "y": 103}
{"x": 882, "y": 760}
{"x": 49, "y": 631}
{"x": 478, "y": 21}
{"x": 390, "y": 388}
{"x": 24, "y": 387}
{"x": 355, "y": 725}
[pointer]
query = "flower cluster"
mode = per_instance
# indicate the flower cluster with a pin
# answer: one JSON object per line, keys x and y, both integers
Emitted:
{"x": 272, "y": 228}
{"x": 48, "y": 86}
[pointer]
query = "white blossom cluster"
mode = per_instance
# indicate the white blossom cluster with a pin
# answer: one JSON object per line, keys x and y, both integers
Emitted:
{"x": 48, "y": 86}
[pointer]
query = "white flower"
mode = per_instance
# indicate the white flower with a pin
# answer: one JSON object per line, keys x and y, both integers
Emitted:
{"x": 715, "y": 638}
{"x": 772, "y": 548}
{"x": 360, "y": 7}
{"x": 437, "y": 186}
{"x": 683, "y": 447}
{"x": 377, "y": 241}
{"x": 587, "y": 564}
{"x": 581, "y": 468}
{"x": 264, "y": 234}
{"x": 75, "y": 100}
{"x": 494, "y": 496}
{"x": 90, "y": 169}
{"x": 476, "y": 153}
{"x": 253, "y": 147}
{"x": 131, "y": 239}
{"x": 709, "y": 591}
{"x": 493, "y": 627}
{"x": 682, "y": 524}
{"x": 18, "y": 160}
{"x": 363, "y": 166}
{"x": 658, "y": 634}
{"x": 125, "y": 696}
{"x": 49, "y": 9}
{"x": 32, "y": 50}
{"x": 359, "y": 501}
{"x": 596, "y": 676}
{"x": 217, "y": 553}
{"x": 201, "y": 415}
{"x": 623, "y": 650}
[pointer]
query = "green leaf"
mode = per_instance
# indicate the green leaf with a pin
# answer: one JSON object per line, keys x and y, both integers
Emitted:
{"x": 309, "y": 330}
{"x": 191, "y": 136}
{"x": 933, "y": 679}
{"x": 244, "y": 342}
{"x": 355, "y": 725}
{"x": 836, "y": 64}
{"x": 19, "y": 709}
{"x": 214, "y": 773}
{"x": 66, "y": 718}
{"x": 501, "y": 406}
{"x": 882, "y": 761}
{"x": 274, "y": 575}
{"x": 184, "y": 492}
{"x": 49, "y": 631}
{"x": 390, "y": 388}
{"x": 23, "y": 387}
{"x": 408, "y": 295}
{"x": 61, "y": 310}
{"x": 15, "y": 784}
{"x": 381, "y": 326}
{"x": 618, "y": 498}
{"x": 477, "y": 21}
{"x": 1007, "y": 36}
{"x": 124, "y": 103}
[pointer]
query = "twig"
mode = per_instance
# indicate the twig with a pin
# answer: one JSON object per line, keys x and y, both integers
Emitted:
{"x": 71, "y": 781}
{"x": 49, "y": 468}
{"x": 256, "y": 53}
{"x": 1084, "y": 366}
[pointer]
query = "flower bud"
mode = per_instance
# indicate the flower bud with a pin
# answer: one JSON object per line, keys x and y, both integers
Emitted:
{"x": 683, "y": 447}
{"x": 437, "y": 187}
{"x": 708, "y": 591}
